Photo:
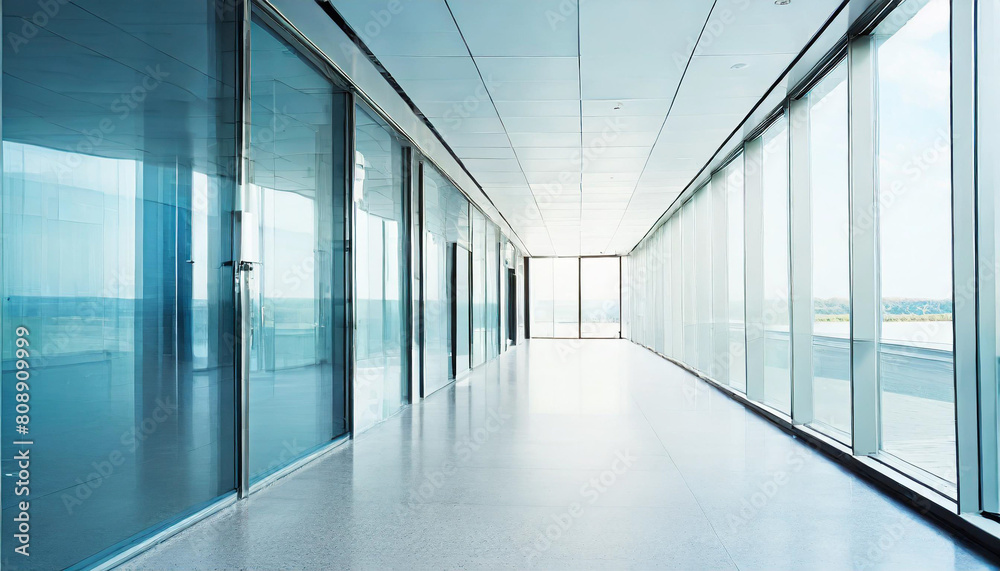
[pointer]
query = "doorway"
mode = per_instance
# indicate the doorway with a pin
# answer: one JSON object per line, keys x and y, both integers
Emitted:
{"x": 575, "y": 298}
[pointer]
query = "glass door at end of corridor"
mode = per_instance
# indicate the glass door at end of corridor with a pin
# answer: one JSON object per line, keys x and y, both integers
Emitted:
{"x": 554, "y": 297}
{"x": 573, "y": 298}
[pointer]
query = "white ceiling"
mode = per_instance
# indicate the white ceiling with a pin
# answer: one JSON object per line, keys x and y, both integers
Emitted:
{"x": 584, "y": 119}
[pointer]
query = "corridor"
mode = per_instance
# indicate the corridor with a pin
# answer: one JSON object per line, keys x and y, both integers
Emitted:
{"x": 568, "y": 454}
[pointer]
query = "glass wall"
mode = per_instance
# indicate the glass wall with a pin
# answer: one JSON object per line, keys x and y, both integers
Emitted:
{"x": 118, "y": 154}
{"x": 380, "y": 255}
{"x": 297, "y": 381}
{"x": 916, "y": 373}
{"x": 886, "y": 109}
{"x": 829, "y": 194}
{"x": 776, "y": 319}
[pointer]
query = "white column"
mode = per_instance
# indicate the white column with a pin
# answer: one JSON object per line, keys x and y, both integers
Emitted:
{"x": 865, "y": 312}
{"x": 800, "y": 261}
{"x": 753, "y": 205}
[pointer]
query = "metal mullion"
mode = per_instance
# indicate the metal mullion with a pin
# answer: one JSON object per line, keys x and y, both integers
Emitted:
{"x": 987, "y": 146}
{"x": 352, "y": 282}
{"x": 964, "y": 264}
{"x": 242, "y": 349}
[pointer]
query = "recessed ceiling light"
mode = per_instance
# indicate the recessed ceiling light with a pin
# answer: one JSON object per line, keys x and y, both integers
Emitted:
{"x": 740, "y": 65}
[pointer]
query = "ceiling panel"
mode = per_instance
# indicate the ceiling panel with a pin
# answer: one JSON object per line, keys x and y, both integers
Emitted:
{"x": 584, "y": 120}
{"x": 518, "y": 27}
{"x": 420, "y": 29}
{"x": 625, "y": 107}
{"x": 542, "y": 124}
{"x": 538, "y": 108}
{"x": 484, "y": 152}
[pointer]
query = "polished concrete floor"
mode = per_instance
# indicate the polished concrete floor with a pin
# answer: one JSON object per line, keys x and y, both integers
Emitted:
{"x": 569, "y": 454}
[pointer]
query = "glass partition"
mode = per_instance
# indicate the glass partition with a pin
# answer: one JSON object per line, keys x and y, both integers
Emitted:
{"x": 446, "y": 225}
{"x": 297, "y": 391}
{"x": 117, "y": 205}
{"x": 380, "y": 255}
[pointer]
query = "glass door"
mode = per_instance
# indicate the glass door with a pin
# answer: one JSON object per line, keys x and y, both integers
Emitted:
{"x": 296, "y": 378}
{"x": 554, "y": 288}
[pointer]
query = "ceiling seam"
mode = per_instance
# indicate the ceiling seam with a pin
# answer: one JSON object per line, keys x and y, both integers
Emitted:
{"x": 673, "y": 99}
{"x": 506, "y": 134}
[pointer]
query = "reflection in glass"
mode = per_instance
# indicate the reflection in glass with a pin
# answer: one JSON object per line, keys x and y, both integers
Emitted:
{"x": 600, "y": 291}
{"x": 776, "y": 320}
{"x": 381, "y": 379}
{"x": 117, "y": 217}
{"x": 916, "y": 373}
{"x": 829, "y": 194}
{"x": 293, "y": 378}
{"x": 445, "y": 227}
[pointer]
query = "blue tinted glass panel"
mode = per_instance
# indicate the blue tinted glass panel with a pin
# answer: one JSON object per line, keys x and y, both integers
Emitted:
{"x": 117, "y": 220}
{"x": 296, "y": 383}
